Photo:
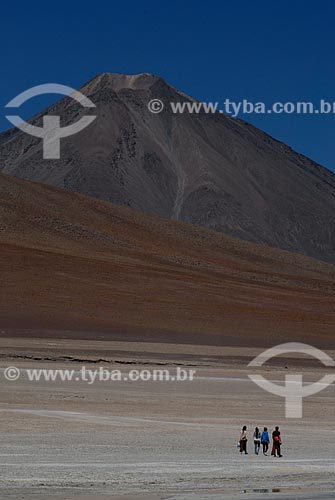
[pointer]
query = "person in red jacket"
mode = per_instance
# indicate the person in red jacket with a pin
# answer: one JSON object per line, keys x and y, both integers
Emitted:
{"x": 276, "y": 443}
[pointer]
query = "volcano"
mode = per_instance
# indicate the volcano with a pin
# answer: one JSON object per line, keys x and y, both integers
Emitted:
{"x": 204, "y": 169}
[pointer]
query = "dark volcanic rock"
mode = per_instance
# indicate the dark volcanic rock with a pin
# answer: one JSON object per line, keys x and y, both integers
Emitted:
{"x": 203, "y": 169}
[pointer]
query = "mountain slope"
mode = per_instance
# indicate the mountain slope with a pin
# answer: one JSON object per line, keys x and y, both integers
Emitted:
{"x": 71, "y": 264}
{"x": 203, "y": 169}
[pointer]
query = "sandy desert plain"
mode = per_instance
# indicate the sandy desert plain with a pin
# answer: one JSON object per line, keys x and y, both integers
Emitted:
{"x": 157, "y": 440}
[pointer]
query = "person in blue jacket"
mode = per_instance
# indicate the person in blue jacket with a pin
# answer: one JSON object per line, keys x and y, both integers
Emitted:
{"x": 265, "y": 440}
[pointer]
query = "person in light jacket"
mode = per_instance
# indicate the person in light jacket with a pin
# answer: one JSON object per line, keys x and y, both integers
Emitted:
{"x": 243, "y": 440}
{"x": 257, "y": 440}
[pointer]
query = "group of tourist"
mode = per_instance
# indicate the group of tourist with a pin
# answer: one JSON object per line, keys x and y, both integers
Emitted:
{"x": 261, "y": 438}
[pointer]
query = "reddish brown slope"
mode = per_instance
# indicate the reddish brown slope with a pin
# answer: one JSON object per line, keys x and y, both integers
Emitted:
{"x": 79, "y": 266}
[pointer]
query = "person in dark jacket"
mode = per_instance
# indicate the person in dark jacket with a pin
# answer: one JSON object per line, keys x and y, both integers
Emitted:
{"x": 265, "y": 440}
{"x": 276, "y": 446}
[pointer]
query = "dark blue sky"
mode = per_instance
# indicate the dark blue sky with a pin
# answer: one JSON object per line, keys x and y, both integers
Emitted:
{"x": 255, "y": 50}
